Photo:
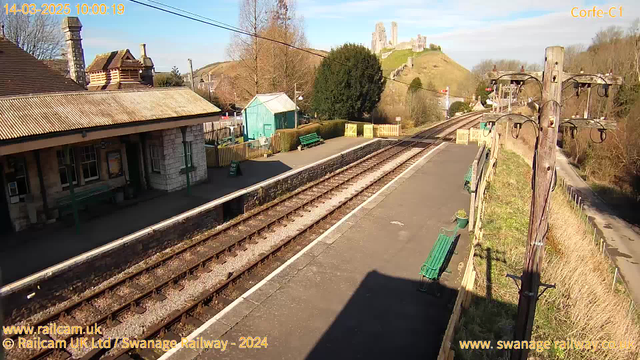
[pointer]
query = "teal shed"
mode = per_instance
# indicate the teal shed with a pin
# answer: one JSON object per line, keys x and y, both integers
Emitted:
{"x": 266, "y": 113}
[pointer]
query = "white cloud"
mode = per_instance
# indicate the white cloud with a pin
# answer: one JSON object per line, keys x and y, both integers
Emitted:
{"x": 524, "y": 39}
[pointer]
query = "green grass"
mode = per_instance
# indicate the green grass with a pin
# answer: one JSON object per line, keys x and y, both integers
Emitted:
{"x": 493, "y": 309}
{"x": 396, "y": 59}
{"x": 582, "y": 307}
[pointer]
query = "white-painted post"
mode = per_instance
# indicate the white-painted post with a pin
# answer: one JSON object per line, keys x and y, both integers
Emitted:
{"x": 603, "y": 246}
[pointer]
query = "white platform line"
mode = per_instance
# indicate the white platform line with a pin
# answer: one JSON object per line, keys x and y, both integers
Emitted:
{"x": 257, "y": 286}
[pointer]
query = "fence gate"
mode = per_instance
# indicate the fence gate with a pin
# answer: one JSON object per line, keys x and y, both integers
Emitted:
{"x": 351, "y": 130}
{"x": 368, "y": 131}
{"x": 462, "y": 136}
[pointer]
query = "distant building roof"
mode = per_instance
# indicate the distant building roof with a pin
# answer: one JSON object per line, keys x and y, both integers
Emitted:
{"x": 21, "y": 73}
{"x": 120, "y": 59}
{"x": 276, "y": 102}
{"x": 39, "y": 114}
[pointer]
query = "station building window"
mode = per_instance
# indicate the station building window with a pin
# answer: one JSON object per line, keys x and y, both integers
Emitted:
{"x": 89, "y": 163}
{"x": 62, "y": 169}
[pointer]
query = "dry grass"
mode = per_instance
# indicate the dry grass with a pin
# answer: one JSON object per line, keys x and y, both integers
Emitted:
{"x": 583, "y": 307}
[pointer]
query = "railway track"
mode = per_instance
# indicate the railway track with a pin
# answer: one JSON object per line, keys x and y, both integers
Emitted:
{"x": 175, "y": 293}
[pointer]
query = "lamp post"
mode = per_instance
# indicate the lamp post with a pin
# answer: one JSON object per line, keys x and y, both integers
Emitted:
{"x": 295, "y": 99}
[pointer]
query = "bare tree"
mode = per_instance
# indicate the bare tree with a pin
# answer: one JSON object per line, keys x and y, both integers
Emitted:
{"x": 248, "y": 50}
{"x": 286, "y": 66}
{"x": 39, "y": 35}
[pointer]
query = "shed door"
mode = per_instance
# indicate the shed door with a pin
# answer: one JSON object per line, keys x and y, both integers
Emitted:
{"x": 268, "y": 130}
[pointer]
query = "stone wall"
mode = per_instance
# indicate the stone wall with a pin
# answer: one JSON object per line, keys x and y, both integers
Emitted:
{"x": 171, "y": 176}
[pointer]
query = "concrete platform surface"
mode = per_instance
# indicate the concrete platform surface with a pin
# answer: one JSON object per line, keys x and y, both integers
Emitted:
{"x": 30, "y": 251}
{"x": 353, "y": 292}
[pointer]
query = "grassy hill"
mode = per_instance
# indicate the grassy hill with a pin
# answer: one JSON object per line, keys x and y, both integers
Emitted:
{"x": 231, "y": 68}
{"x": 432, "y": 67}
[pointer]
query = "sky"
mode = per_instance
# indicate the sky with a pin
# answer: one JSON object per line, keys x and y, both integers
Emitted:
{"x": 468, "y": 31}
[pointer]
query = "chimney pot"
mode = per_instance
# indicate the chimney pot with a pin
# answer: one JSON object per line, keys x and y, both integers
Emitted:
{"x": 143, "y": 50}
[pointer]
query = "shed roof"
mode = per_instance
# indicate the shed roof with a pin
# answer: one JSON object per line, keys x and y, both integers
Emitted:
{"x": 276, "y": 102}
{"x": 39, "y": 114}
{"x": 21, "y": 73}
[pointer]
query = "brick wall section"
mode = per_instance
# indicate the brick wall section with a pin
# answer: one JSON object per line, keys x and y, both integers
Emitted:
{"x": 94, "y": 271}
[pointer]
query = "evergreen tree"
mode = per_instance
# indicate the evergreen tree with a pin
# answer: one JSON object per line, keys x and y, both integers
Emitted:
{"x": 349, "y": 83}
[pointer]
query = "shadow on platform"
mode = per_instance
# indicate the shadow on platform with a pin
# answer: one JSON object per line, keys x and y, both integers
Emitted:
{"x": 388, "y": 318}
{"x": 33, "y": 250}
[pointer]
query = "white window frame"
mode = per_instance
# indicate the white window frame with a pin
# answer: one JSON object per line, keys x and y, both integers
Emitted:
{"x": 60, "y": 157}
{"x": 189, "y": 153}
{"x": 92, "y": 153}
{"x": 155, "y": 153}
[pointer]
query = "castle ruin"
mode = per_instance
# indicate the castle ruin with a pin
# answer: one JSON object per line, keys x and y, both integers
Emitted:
{"x": 379, "y": 40}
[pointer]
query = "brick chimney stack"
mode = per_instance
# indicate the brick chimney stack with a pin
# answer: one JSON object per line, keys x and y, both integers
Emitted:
{"x": 71, "y": 27}
{"x": 147, "y": 71}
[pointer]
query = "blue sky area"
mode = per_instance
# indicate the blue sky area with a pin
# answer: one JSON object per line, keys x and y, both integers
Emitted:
{"x": 468, "y": 31}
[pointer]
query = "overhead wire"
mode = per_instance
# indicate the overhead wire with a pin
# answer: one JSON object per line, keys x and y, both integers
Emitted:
{"x": 208, "y": 21}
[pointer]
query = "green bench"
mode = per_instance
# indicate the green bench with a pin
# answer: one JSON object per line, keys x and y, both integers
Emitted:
{"x": 310, "y": 140}
{"x": 83, "y": 198}
{"x": 432, "y": 266}
{"x": 467, "y": 179}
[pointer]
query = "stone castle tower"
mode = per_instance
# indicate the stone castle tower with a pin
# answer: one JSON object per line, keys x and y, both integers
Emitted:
{"x": 394, "y": 33}
{"x": 378, "y": 39}
{"x": 71, "y": 27}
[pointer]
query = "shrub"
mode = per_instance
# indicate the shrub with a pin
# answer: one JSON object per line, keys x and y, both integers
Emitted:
{"x": 457, "y": 107}
{"x": 289, "y": 138}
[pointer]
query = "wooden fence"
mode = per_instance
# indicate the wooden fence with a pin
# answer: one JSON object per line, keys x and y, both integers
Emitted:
{"x": 482, "y": 172}
{"x": 384, "y": 130}
{"x": 245, "y": 151}
{"x": 213, "y": 135}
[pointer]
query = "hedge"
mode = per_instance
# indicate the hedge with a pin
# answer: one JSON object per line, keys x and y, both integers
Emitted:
{"x": 289, "y": 138}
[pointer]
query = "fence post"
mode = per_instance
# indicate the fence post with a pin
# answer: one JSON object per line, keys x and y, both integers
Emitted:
{"x": 615, "y": 275}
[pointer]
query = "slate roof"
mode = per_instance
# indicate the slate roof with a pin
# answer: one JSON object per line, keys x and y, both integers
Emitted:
{"x": 39, "y": 114}
{"x": 21, "y": 73}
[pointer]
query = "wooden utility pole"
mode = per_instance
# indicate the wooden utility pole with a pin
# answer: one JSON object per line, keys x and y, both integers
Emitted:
{"x": 191, "y": 75}
{"x": 544, "y": 167}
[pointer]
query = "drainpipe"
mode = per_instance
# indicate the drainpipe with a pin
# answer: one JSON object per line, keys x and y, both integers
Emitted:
{"x": 186, "y": 158}
{"x": 74, "y": 205}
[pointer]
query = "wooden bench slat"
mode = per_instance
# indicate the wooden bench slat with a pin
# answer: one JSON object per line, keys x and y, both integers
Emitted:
{"x": 438, "y": 254}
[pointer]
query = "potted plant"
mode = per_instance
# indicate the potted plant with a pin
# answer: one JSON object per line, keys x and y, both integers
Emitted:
{"x": 462, "y": 219}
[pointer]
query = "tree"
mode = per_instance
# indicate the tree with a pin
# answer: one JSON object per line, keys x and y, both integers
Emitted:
{"x": 168, "y": 79}
{"x": 481, "y": 92}
{"x": 349, "y": 83}
{"x": 282, "y": 66}
{"x": 424, "y": 108}
{"x": 39, "y": 35}
{"x": 248, "y": 50}
{"x": 457, "y": 107}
